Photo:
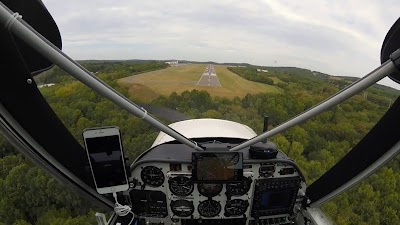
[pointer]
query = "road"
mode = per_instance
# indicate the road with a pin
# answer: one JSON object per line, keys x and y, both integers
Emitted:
{"x": 209, "y": 77}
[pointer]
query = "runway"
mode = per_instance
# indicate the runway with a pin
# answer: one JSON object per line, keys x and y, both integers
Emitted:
{"x": 209, "y": 77}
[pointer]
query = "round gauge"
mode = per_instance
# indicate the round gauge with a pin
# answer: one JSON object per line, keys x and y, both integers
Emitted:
{"x": 152, "y": 176}
{"x": 182, "y": 208}
{"x": 236, "y": 207}
{"x": 209, "y": 208}
{"x": 209, "y": 190}
{"x": 238, "y": 189}
{"x": 181, "y": 186}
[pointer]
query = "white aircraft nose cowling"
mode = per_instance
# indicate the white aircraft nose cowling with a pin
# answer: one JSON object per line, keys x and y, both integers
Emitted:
{"x": 206, "y": 128}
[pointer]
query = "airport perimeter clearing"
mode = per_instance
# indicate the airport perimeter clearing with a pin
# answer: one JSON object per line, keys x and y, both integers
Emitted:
{"x": 148, "y": 86}
{"x": 277, "y": 80}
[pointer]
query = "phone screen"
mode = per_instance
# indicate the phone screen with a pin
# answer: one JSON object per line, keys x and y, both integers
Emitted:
{"x": 106, "y": 159}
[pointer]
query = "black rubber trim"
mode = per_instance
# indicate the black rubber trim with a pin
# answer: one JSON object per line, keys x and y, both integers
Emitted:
{"x": 375, "y": 144}
{"x": 391, "y": 42}
{"x": 389, "y": 46}
{"x": 24, "y": 102}
{"x": 36, "y": 15}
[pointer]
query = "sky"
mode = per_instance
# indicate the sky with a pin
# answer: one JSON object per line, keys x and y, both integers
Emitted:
{"x": 340, "y": 37}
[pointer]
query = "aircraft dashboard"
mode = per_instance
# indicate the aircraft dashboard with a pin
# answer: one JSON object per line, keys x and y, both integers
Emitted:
{"x": 173, "y": 184}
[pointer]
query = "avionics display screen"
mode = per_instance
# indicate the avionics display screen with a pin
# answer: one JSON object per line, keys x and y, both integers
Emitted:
{"x": 106, "y": 160}
{"x": 217, "y": 166}
{"x": 275, "y": 200}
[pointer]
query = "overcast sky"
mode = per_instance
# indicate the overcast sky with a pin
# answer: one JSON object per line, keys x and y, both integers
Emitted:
{"x": 336, "y": 37}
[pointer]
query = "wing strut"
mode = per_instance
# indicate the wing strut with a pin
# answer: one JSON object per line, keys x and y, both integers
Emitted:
{"x": 385, "y": 69}
{"x": 22, "y": 30}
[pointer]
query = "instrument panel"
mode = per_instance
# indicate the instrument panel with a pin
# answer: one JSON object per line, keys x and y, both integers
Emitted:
{"x": 166, "y": 192}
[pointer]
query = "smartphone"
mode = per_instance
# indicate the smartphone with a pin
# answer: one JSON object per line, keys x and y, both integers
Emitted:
{"x": 107, "y": 162}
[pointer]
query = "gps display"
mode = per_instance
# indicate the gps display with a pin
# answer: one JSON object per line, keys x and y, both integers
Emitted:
{"x": 217, "y": 166}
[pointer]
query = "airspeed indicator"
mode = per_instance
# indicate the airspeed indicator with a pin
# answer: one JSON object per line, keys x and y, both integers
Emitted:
{"x": 180, "y": 186}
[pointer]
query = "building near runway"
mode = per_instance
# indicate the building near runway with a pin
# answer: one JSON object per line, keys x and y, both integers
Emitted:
{"x": 172, "y": 63}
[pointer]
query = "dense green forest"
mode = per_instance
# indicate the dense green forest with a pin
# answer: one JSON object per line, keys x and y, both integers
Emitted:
{"x": 29, "y": 196}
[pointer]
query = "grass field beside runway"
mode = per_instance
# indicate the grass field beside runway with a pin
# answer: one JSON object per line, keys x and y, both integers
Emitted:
{"x": 174, "y": 74}
{"x": 149, "y": 86}
{"x": 239, "y": 85}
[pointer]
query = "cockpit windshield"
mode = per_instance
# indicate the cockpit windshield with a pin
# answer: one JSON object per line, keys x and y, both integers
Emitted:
{"x": 220, "y": 73}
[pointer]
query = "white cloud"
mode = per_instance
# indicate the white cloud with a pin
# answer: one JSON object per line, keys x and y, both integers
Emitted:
{"x": 336, "y": 37}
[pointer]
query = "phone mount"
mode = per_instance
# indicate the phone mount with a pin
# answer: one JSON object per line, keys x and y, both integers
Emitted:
{"x": 391, "y": 49}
